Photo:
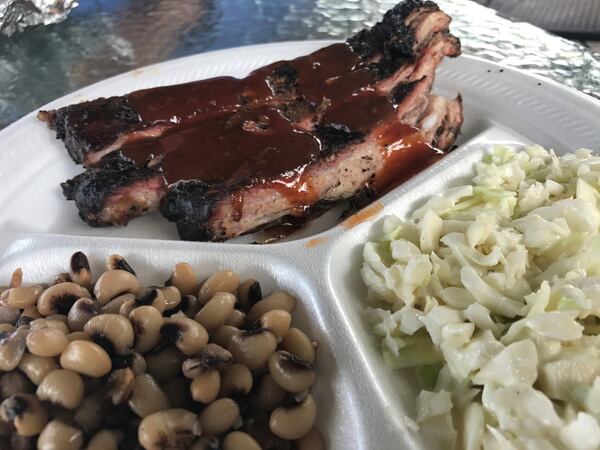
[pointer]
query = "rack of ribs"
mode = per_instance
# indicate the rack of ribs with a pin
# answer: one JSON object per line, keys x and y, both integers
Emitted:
{"x": 227, "y": 156}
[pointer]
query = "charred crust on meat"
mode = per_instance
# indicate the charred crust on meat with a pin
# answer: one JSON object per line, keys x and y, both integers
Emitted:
{"x": 190, "y": 204}
{"x": 403, "y": 90}
{"x": 334, "y": 137}
{"x": 92, "y": 189}
{"x": 88, "y": 127}
{"x": 391, "y": 39}
{"x": 283, "y": 79}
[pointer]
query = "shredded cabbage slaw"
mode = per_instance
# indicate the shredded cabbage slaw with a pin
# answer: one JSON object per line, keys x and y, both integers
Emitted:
{"x": 491, "y": 292}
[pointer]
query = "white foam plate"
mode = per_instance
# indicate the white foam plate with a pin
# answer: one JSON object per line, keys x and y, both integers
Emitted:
{"x": 362, "y": 405}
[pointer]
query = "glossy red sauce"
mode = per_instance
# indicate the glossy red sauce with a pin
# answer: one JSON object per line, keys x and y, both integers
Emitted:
{"x": 230, "y": 133}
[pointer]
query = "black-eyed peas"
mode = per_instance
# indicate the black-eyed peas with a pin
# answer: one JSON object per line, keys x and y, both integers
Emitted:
{"x": 169, "y": 429}
{"x": 86, "y": 358}
{"x": 58, "y": 435}
{"x": 252, "y": 347}
{"x": 114, "y": 283}
{"x": 205, "y": 387}
{"x": 82, "y": 311}
{"x": 225, "y": 281}
{"x": 219, "y": 416}
{"x": 238, "y": 440}
{"x": 216, "y": 310}
{"x": 291, "y": 373}
{"x": 146, "y": 322}
{"x": 25, "y": 412}
{"x": 79, "y": 269}
{"x": 294, "y": 422}
{"x": 187, "y": 334}
{"x": 46, "y": 341}
{"x": 37, "y": 367}
{"x": 62, "y": 388}
{"x": 147, "y": 397}
{"x": 184, "y": 279}
{"x": 313, "y": 440}
{"x": 117, "y": 262}
{"x": 276, "y": 300}
{"x": 59, "y": 298}
{"x": 113, "y": 332}
{"x": 129, "y": 365}
{"x": 249, "y": 292}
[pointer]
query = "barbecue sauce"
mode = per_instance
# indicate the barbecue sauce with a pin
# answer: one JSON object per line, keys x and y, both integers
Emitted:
{"x": 232, "y": 133}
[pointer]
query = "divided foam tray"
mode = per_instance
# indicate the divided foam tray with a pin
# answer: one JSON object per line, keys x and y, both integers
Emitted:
{"x": 361, "y": 404}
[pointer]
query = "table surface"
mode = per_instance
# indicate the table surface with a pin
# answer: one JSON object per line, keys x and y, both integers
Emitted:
{"x": 102, "y": 38}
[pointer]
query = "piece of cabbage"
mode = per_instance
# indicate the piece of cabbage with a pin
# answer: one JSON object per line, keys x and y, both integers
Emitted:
{"x": 491, "y": 292}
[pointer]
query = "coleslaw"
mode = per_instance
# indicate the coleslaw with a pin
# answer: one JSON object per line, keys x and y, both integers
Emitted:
{"x": 491, "y": 292}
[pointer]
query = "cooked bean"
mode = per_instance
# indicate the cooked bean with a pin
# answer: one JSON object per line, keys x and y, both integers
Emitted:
{"x": 119, "y": 386}
{"x": 105, "y": 440}
{"x": 58, "y": 435}
{"x": 131, "y": 360}
{"x": 236, "y": 380}
{"x": 59, "y": 298}
{"x": 183, "y": 278}
{"x": 189, "y": 305}
{"x": 82, "y": 311}
{"x": 252, "y": 347}
{"x": 313, "y": 440}
{"x": 46, "y": 341}
{"x": 205, "y": 387}
{"x": 225, "y": 281}
{"x": 238, "y": 440}
{"x": 295, "y": 422}
{"x": 219, "y": 416}
{"x": 210, "y": 357}
{"x": 187, "y": 334}
{"x": 78, "y": 336}
{"x": 114, "y": 283}
{"x": 16, "y": 279}
{"x": 8, "y": 314}
{"x": 249, "y": 292}
{"x": 79, "y": 269}
{"x": 86, "y": 358}
{"x": 30, "y": 313}
{"x": 7, "y": 328}
{"x": 276, "y": 300}
{"x": 237, "y": 318}
{"x": 113, "y": 306}
{"x": 25, "y": 412}
{"x": 13, "y": 383}
{"x": 12, "y": 348}
{"x": 224, "y": 334}
{"x": 147, "y": 397}
{"x": 170, "y": 429}
{"x": 117, "y": 262}
{"x": 215, "y": 312}
{"x": 206, "y": 443}
{"x": 299, "y": 345}
{"x": 61, "y": 387}
{"x": 49, "y": 323}
{"x": 291, "y": 373}
{"x": 269, "y": 394}
{"x": 165, "y": 364}
{"x": 90, "y": 412}
{"x": 113, "y": 332}
{"x": 151, "y": 297}
{"x": 37, "y": 367}
{"x": 21, "y": 297}
{"x": 177, "y": 391}
{"x": 172, "y": 297}
{"x": 146, "y": 322}
{"x": 277, "y": 322}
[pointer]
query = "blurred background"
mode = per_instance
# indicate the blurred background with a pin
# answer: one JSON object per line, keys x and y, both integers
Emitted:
{"x": 101, "y": 38}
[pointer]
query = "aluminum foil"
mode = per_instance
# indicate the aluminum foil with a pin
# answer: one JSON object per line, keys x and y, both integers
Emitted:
{"x": 106, "y": 37}
{"x": 15, "y": 15}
